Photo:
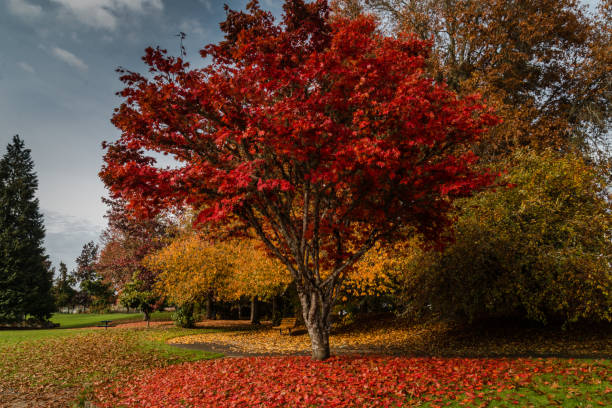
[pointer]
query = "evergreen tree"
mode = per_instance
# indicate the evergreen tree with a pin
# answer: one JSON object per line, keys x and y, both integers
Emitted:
{"x": 63, "y": 290}
{"x": 95, "y": 293}
{"x": 25, "y": 274}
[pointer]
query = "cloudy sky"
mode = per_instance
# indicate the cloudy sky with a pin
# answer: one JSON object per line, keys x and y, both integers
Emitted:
{"x": 58, "y": 84}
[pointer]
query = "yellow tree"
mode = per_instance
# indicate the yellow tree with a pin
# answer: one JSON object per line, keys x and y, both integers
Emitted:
{"x": 191, "y": 269}
{"x": 254, "y": 275}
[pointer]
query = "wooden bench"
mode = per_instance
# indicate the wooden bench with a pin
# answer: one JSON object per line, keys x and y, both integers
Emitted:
{"x": 106, "y": 324}
{"x": 290, "y": 325}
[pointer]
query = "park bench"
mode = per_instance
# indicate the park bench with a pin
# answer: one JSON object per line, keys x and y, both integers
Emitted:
{"x": 290, "y": 325}
{"x": 106, "y": 324}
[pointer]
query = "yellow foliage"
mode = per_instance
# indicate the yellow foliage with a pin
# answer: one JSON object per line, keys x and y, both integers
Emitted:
{"x": 191, "y": 267}
{"x": 254, "y": 273}
{"x": 377, "y": 273}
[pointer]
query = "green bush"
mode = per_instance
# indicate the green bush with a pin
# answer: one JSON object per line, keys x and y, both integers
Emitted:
{"x": 539, "y": 248}
{"x": 185, "y": 316}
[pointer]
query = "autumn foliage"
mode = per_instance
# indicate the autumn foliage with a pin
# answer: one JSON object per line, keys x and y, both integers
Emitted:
{"x": 322, "y": 136}
{"x": 538, "y": 251}
{"x": 338, "y": 382}
{"x": 191, "y": 267}
{"x": 543, "y": 64}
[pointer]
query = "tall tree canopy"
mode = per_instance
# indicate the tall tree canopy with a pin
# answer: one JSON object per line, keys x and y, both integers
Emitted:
{"x": 544, "y": 64}
{"x": 96, "y": 293}
{"x": 322, "y": 136}
{"x": 25, "y": 279}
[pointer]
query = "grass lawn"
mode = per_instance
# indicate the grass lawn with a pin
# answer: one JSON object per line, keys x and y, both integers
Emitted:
{"x": 12, "y": 337}
{"x": 70, "y": 321}
{"x": 73, "y": 321}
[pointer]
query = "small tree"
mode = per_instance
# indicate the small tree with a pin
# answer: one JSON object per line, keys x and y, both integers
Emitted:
{"x": 86, "y": 263}
{"x": 95, "y": 292}
{"x": 254, "y": 275}
{"x": 324, "y": 137}
{"x": 126, "y": 242}
{"x": 137, "y": 295}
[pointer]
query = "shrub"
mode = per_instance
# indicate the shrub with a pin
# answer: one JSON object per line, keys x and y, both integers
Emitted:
{"x": 539, "y": 249}
{"x": 185, "y": 316}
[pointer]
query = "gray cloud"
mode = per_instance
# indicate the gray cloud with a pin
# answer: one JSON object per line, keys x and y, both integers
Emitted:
{"x": 23, "y": 9}
{"x": 103, "y": 14}
{"x": 26, "y": 67}
{"x": 192, "y": 27}
{"x": 69, "y": 58}
{"x": 207, "y": 4}
{"x": 66, "y": 235}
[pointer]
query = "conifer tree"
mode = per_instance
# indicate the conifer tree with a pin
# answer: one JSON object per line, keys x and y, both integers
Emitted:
{"x": 64, "y": 293}
{"x": 25, "y": 279}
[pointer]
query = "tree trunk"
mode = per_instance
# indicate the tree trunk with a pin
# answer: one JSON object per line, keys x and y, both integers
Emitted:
{"x": 315, "y": 311}
{"x": 209, "y": 307}
{"x": 254, "y": 310}
{"x": 147, "y": 317}
{"x": 276, "y": 314}
{"x": 274, "y": 306}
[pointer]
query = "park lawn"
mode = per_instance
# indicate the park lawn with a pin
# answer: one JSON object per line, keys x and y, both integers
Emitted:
{"x": 70, "y": 321}
{"x": 73, "y": 322}
{"x": 57, "y": 367}
{"x": 12, "y": 337}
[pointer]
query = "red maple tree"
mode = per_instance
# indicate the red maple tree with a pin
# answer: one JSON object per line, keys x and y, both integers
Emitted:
{"x": 323, "y": 136}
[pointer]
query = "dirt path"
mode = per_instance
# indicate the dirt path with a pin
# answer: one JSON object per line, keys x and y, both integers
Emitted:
{"x": 229, "y": 351}
{"x": 238, "y": 339}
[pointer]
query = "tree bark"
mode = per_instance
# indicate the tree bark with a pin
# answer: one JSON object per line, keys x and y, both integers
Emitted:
{"x": 274, "y": 310}
{"x": 147, "y": 317}
{"x": 254, "y": 310}
{"x": 315, "y": 311}
{"x": 239, "y": 311}
{"x": 209, "y": 307}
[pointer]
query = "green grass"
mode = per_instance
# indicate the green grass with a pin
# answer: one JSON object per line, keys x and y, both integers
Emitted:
{"x": 73, "y": 322}
{"x": 156, "y": 342}
{"x": 8, "y": 337}
{"x": 589, "y": 388}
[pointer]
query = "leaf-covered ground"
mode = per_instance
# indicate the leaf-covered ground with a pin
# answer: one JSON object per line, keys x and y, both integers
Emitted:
{"x": 367, "y": 382}
{"x": 136, "y": 366}
{"x": 390, "y": 336}
{"x": 58, "y": 366}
